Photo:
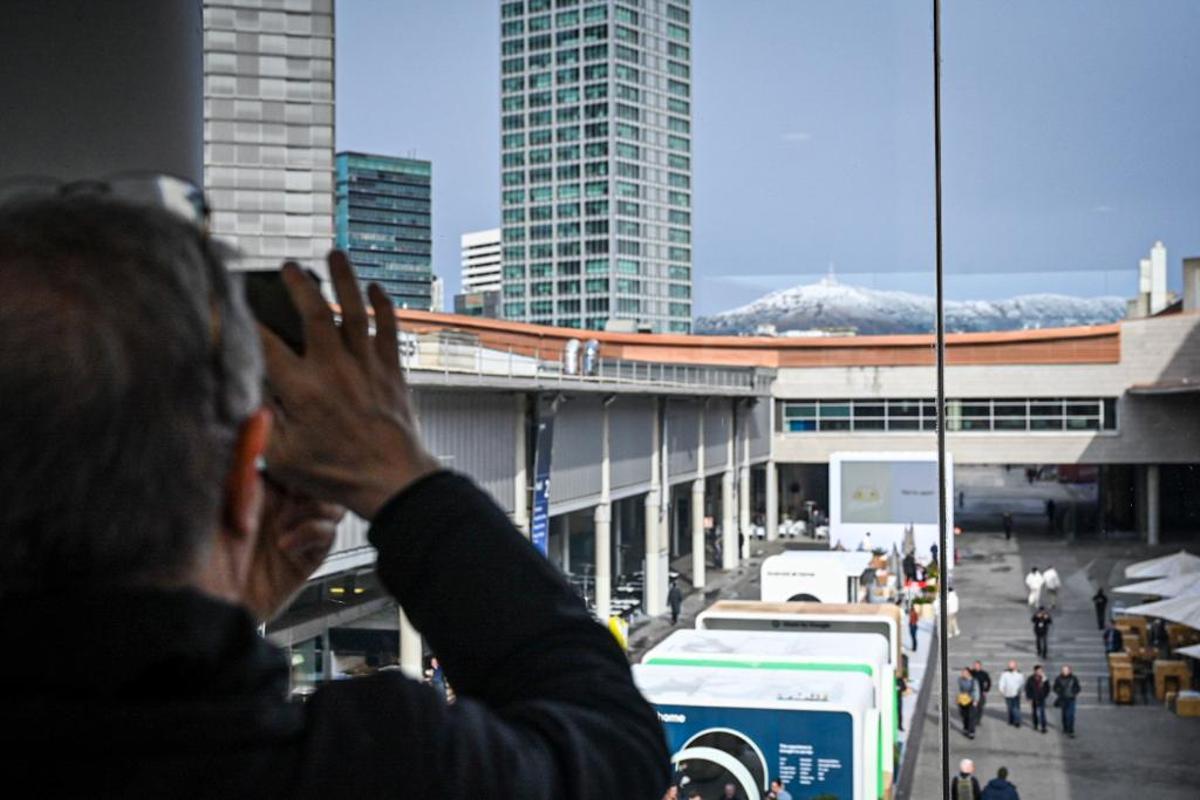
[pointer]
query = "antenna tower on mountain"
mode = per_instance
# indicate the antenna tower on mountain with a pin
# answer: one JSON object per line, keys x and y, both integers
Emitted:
{"x": 830, "y": 278}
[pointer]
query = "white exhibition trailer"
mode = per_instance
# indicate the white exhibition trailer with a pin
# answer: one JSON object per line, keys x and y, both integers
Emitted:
{"x": 817, "y": 576}
{"x": 725, "y": 725}
{"x": 811, "y": 652}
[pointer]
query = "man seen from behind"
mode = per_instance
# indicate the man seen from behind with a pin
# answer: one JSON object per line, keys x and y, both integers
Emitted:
{"x": 157, "y": 508}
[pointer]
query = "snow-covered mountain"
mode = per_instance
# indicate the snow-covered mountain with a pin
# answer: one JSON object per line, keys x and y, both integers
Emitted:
{"x": 830, "y": 304}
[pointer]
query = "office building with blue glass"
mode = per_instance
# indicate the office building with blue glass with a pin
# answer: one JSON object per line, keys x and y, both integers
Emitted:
{"x": 383, "y": 222}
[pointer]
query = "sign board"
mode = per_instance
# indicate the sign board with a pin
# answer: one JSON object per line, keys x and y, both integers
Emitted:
{"x": 539, "y": 523}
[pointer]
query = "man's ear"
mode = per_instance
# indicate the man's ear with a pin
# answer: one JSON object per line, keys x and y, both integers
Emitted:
{"x": 243, "y": 484}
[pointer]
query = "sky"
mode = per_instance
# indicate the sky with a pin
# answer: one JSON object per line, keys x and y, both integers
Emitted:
{"x": 1071, "y": 137}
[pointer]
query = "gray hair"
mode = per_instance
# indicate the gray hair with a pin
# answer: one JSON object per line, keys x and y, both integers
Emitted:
{"x": 128, "y": 360}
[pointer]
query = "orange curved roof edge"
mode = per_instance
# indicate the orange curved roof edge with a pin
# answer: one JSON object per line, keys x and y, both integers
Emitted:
{"x": 1078, "y": 345}
{"x": 462, "y": 322}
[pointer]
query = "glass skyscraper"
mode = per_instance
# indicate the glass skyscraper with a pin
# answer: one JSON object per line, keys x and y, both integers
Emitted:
{"x": 596, "y": 164}
{"x": 268, "y": 128}
{"x": 383, "y": 223}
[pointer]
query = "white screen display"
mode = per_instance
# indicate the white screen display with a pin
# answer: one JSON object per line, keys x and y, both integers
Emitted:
{"x": 899, "y": 492}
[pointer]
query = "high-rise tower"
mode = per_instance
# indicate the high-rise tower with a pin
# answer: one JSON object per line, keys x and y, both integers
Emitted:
{"x": 268, "y": 128}
{"x": 596, "y": 164}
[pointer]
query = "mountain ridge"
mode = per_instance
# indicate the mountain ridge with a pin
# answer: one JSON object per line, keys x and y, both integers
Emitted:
{"x": 829, "y": 304}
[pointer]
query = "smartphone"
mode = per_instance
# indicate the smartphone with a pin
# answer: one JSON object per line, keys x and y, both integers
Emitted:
{"x": 269, "y": 301}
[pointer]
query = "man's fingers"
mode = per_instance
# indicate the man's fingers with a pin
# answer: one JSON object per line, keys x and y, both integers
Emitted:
{"x": 354, "y": 313}
{"x": 319, "y": 330}
{"x": 281, "y": 360}
{"x": 387, "y": 336}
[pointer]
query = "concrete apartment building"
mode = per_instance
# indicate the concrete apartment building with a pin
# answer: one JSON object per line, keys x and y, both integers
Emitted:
{"x": 268, "y": 128}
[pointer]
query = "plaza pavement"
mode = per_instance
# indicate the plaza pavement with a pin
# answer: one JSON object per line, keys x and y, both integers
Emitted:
{"x": 1120, "y": 751}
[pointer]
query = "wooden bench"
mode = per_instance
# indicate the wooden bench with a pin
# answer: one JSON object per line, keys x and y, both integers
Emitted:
{"x": 1170, "y": 676}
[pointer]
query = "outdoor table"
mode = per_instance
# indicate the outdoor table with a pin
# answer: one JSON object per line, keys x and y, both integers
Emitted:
{"x": 1168, "y": 672}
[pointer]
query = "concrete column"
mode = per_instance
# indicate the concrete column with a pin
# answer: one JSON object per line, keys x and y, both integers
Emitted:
{"x": 566, "y": 542}
{"x": 745, "y": 525}
{"x": 698, "y": 560}
{"x": 1153, "y": 510}
{"x": 411, "y": 655}
{"x": 729, "y": 539}
{"x": 603, "y": 560}
{"x": 772, "y": 521}
{"x": 520, "y": 474}
{"x": 326, "y": 656}
{"x": 93, "y": 89}
{"x": 655, "y": 600}
{"x": 603, "y": 518}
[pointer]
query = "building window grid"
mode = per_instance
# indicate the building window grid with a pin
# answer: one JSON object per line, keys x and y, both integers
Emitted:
{"x": 964, "y": 415}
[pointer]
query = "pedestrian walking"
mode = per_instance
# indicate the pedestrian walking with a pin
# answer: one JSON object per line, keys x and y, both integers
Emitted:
{"x": 951, "y": 612}
{"x": 674, "y": 601}
{"x": 1066, "y": 686}
{"x": 999, "y": 788}
{"x": 1052, "y": 584}
{"x": 914, "y": 620}
{"x": 985, "y": 685}
{"x": 933, "y": 552}
{"x": 1114, "y": 642}
{"x": 1037, "y": 689}
{"x": 1041, "y": 629}
{"x": 1051, "y": 515}
{"x": 1100, "y": 601}
{"x": 1034, "y": 582}
{"x": 967, "y": 700}
{"x": 1008, "y": 525}
{"x": 964, "y": 786}
{"x": 901, "y": 689}
{"x": 1011, "y": 684}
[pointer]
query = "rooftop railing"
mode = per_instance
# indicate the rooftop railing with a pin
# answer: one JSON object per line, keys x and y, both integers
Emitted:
{"x": 453, "y": 356}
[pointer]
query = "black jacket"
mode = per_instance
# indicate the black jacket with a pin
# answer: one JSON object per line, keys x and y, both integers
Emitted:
{"x": 983, "y": 679}
{"x": 1041, "y": 624}
{"x": 172, "y": 694}
{"x": 1067, "y": 688}
{"x": 1035, "y": 692}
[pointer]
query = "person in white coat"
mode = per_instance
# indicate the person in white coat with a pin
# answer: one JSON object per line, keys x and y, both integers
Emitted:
{"x": 951, "y": 613}
{"x": 1012, "y": 683}
{"x": 1034, "y": 582}
{"x": 1051, "y": 583}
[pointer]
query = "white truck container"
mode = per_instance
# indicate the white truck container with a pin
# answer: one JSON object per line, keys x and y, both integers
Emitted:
{"x": 748, "y": 615}
{"x": 816, "y": 576}
{"x": 823, "y": 654}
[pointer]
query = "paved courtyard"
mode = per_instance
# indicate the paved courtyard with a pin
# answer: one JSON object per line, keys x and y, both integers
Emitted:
{"x": 1120, "y": 751}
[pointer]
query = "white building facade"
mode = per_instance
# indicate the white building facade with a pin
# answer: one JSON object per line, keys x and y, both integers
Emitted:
{"x": 481, "y": 261}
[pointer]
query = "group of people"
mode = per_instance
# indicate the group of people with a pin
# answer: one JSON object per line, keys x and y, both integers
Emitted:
{"x": 974, "y": 683}
{"x": 1043, "y": 587}
{"x": 965, "y": 786}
